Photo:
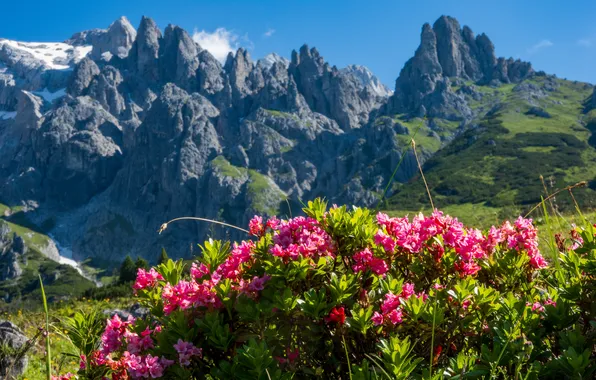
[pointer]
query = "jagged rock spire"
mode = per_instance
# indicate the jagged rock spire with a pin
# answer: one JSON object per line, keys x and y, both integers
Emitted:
{"x": 448, "y": 51}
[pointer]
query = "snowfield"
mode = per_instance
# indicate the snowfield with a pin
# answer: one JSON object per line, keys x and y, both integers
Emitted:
{"x": 53, "y": 55}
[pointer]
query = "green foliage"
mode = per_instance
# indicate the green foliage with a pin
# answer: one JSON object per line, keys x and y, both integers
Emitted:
{"x": 84, "y": 331}
{"x": 163, "y": 257}
{"x": 128, "y": 270}
{"x": 141, "y": 263}
{"x": 498, "y": 162}
{"x": 256, "y": 313}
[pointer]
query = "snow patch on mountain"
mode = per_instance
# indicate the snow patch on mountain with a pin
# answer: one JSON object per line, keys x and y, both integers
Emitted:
{"x": 51, "y": 55}
{"x": 270, "y": 59}
{"x": 367, "y": 79}
{"x": 49, "y": 96}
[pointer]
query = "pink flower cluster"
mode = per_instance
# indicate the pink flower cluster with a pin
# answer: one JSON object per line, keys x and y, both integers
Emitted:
{"x": 186, "y": 351}
{"x": 187, "y": 294}
{"x": 146, "y": 279}
{"x": 410, "y": 237}
{"x": 136, "y": 343}
{"x": 521, "y": 236}
{"x": 145, "y": 366}
{"x": 257, "y": 228}
{"x": 254, "y": 286}
{"x": 116, "y": 330}
{"x": 365, "y": 260}
{"x": 301, "y": 236}
{"x": 231, "y": 267}
{"x": 399, "y": 235}
{"x": 390, "y": 308}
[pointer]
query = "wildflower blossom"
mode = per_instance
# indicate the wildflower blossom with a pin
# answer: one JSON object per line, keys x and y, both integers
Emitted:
{"x": 186, "y": 351}
{"x": 147, "y": 279}
{"x": 255, "y": 226}
{"x": 337, "y": 315}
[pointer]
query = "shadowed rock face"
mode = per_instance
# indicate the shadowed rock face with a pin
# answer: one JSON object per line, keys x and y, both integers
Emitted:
{"x": 150, "y": 126}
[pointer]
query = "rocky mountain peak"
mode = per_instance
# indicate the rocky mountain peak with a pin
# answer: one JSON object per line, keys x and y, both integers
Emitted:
{"x": 268, "y": 61}
{"x": 178, "y": 57}
{"x": 116, "y": 40}
{"x": 145, "y": 50}
{"x": 449, "y": 51}
{"x": 368, "y": 81}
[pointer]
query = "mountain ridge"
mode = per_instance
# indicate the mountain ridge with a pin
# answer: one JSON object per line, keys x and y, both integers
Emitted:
{"x": 150, "y": 126}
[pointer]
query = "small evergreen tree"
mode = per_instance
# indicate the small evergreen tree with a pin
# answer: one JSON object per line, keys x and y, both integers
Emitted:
{"x": 163, "y": 257}
{"x": 128, "y": 270}
{"x": 141, "y": 263}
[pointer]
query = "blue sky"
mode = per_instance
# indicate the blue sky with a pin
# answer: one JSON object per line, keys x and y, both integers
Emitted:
{"x": 380, "y": 34}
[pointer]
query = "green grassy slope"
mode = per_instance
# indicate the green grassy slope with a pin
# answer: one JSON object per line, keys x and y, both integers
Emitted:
{"x": 61, "y": 281}
{"x": 492, "y": 171}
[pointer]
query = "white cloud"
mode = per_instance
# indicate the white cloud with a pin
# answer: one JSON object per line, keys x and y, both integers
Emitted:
{"x": 269, "y": 32}
{"x": 219, "y": 43}
{"x": 539, "y": 46}
{"x": 585, "y": 42}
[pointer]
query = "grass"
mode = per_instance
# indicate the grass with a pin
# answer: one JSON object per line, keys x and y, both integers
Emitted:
{"x": 61, "y": 280}
{"x": 64, "y": 355}
{"x": 264, "y": 194}
{"x": 499, "y": 163}
{"x": 227, "y": 169}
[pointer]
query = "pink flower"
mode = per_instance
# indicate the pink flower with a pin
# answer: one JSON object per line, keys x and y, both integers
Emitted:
{"x": 147, "y": 279}
{"x": 255, "y": 226}
{"x": 83, "y": 363}
{"x": 468, "y": 268}
{"x": 390, "y": 303}
{"x": 292, "y": 356}
{"x": 273, "y": 223}
{"x": 537, "y": 261}
{"x": 301, "y": 237}
{"x": 365, "y": 260}
{"x": 379, "y": 266}
{"x": 550, "y": 302}
{"x": 138, "y": 344}
{"x": 395, "y": 316}
{"x": 198, "y": 272}
{"x": 537, "y": 306}
{"x": 377, "y": 319}
{"x": 187, "y": 294}
{"x": 407, "y": 290}
{"x": 114, "y": 333}
{"x": 186, "y": 351}
{"x": 386, "y": 241}
{"x": 465, "y": 304}
{"x": 240, "y": 254}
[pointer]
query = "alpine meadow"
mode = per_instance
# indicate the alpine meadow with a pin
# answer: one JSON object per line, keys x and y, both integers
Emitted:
{"x": 172, "y": 208}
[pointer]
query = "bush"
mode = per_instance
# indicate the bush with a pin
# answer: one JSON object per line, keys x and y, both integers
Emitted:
{"x": 342, "y": 294}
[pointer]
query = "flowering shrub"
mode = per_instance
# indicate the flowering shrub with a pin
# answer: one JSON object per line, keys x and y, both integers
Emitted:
{"x": 342, "y": 293}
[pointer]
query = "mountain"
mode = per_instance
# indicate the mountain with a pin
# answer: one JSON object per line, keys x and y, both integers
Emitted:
{"x": 367, "y": 79}
{"x": 108, "y": 135}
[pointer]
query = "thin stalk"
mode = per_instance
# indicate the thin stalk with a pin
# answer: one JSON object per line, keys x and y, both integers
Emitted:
{"x": 430, "y": 198}
{"x": 432, "y": 340}
{"x": 47, "y": 332}
{"x": 395, "y": 171}
{"x": 166, "y": 224}
{"x": 551, "y": 241}
{"x": 347, "y": 356}
{"x": 579, "y": 184}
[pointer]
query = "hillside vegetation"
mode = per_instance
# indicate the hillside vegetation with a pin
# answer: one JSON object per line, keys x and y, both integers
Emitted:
{"x": 522, "y": 133}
